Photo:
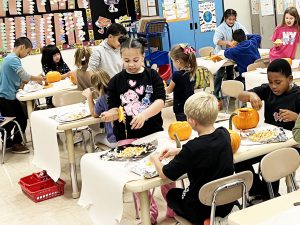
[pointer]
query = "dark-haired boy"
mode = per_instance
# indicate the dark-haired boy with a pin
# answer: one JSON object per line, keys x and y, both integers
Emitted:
{"x": 245, "y": 52}
{"x": 12, "y": 74}
{"x": 107, "y": 55}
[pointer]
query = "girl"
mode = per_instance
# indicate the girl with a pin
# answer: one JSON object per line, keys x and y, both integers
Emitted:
{"x": 99, "y": 81}
{"x": 141, "y": 93}
{"x": 183, "y": 82}
{"x": 286, "y": 37}
{"x": 53, "y": 61}
{"x": 82, "y": 57}
{"x": 282, "y": 106}
{"x": 223, "y": 39}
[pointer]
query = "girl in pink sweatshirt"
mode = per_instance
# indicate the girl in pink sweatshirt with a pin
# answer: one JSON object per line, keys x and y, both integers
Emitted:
{"x": 286, "y": 36}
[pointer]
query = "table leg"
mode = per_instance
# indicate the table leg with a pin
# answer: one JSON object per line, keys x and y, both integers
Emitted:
{"x": 71, "y": 155}
{"x": 145, "y": 208}
{"x": 29, "y": 105}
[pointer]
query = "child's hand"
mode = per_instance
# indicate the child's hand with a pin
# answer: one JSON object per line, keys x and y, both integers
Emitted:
{"x": 87, "y": 93}
{"x": 154, "y": 157}
{"x": 230, "y": 44}
{"x": 110, "y": 115}
{"x": 286, "y": 115}
{"x": 138, "y": 121}
{"x": 255, "y": 101}
{"x": 169, "y": 152}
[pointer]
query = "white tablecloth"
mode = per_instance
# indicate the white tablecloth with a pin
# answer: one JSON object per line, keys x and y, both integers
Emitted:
{"x": 290, "y": 217}
{"x": 212, "y": 66}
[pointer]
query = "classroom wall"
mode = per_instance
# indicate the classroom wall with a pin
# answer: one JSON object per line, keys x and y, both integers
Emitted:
{"x": 243, "y": 11}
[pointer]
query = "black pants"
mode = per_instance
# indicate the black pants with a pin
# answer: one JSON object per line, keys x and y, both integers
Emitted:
{"x": 13, "y": 108}
{"x": 191, "y": 208}
{"x": 180, "y": 117}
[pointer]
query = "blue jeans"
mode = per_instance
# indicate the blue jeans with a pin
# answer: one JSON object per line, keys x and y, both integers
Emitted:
{"x": 219, "y": 77}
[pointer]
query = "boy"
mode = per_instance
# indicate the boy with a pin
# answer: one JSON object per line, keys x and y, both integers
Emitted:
{"x": 246, "y": 51}
{"x": 107, "y": 55}
{"x": 12, "y": 75}
{"x": 205, "y": 158}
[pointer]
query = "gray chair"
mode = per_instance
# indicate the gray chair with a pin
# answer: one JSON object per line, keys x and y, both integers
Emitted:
{"x": 231, "y": 88}
{"x": 256, "y": 65}
{"x": 4, "y": 132}
{"x": 223, "y": 191}
{"x": 69, "y": 98}
{"x": 278, "y": 164}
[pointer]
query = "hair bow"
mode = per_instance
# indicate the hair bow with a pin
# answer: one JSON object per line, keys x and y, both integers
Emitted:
{"x": 187, "y": 49}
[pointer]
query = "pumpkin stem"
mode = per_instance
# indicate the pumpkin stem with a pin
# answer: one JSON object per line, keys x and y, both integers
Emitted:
{"x": 230, "y": 120}
{"x": 178, "y": 144}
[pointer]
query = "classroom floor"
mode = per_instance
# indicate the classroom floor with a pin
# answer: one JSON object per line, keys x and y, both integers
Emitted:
{"x": 17, "y": 209}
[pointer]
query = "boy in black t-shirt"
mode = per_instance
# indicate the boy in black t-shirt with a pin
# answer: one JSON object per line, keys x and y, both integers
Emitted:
{"x": 205, "y": 158}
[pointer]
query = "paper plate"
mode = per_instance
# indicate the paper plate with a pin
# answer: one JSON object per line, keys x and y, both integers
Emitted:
{"x": 73, "y": 115}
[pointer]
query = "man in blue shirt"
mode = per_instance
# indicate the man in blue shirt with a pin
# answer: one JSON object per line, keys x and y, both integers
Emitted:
{"x": 246, "y": 51}
{"x": 12, "y": 74}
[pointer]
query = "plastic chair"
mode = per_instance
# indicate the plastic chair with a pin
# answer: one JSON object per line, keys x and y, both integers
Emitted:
{"x": 231, "y": 88}
{"x": 223, "y": 191}
{"x": 265, "y": 61}
{"x": 206, "y": 51}
{"x": 278, "y": 164}
{"x": 4, "y": 132}
{"x": 69, "y": 98}
{"x": 255, "y": 65}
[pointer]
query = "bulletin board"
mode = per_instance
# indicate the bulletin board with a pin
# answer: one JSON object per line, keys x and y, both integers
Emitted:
{"x": 64, "y": 23}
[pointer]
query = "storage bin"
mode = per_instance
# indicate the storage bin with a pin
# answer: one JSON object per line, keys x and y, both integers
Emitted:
{"x": 158, "y": 57}
{"x": 165, "y": 72}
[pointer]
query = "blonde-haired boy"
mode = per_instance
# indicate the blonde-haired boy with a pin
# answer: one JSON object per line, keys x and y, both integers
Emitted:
{"x": 205, "y": 158}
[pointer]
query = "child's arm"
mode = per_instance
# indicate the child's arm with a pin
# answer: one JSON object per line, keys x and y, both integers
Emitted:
{"x": 154, "y": 158}
{"x": 89, "y": 96}
{"x": 138, "y": 121}
{"x": 65, "y": 75}
{"x": 170, "y": 88}
{"x": 110, "y": 115}
{"x": 296, "y": 130}
{"x": 253, "y": 98}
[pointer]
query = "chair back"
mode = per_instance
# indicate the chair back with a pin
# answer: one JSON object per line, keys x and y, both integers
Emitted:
{"x": 232, "y": 88}
{"x": 68, "y": 98}
{"x": 255, "y": 65}
{"x": 265, "y": 61}
{"x": 206, "y": 51}
{"x": 227, "y": 189}
{"x": 279, "y": 164}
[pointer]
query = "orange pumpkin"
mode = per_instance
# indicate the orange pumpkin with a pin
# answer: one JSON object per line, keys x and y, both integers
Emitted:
{"x": 73, "y": 77}
{"x": 235, "y": 140}
{"x": 290, "y": 61}
{"x": 182, "y": 129}
{"x": 53, "y": 76}
{"x": 244, "y": 118}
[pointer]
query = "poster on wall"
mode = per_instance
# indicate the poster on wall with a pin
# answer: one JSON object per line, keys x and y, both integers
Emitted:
{"x": 288, "y": 3}
{"x": 176, "y": 10}
{"x": 207, "y": 16}
{"x": 279, "y": 6}
{"x": 255, "y": 6}
{"x": 266, "y": 7}
{"x": 148, "y": 8}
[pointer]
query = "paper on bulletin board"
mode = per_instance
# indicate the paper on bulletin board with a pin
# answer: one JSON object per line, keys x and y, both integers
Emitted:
{"x": 148, "y": 8}
{"x": 255, "y": 7}
{"x": 266, "y": 7}
{"x": 279, "y": 7}
{"x": 207, "y": 16}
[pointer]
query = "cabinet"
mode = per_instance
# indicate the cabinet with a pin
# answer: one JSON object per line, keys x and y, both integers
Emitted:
{"x": 188, "y": 31}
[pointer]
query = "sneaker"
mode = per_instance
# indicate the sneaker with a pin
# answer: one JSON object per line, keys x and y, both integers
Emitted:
{"x": 19, "y": 149}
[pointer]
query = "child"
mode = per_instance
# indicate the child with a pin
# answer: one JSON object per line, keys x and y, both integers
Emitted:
{"x": 246, "y": 51}
{"x": 141, "y": 93}
{"x": 12, "y": 75}
{"x": 183, "y": 82}
{"x": 223, "y": 40}
{"x": 53, "y": 61}
{"x": 99, "y": 81}
{"x": 288, "y": 35}
{"x": 205, "y": 158}
{"x": 82, "y": 57}
{"x": 282, "y": 106}
{"x": 107, "y": 55}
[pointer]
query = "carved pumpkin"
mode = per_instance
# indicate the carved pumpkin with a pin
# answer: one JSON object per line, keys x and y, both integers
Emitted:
{"x": 53, "y": 76}
{"x": 235, "y": 140}
{"x": 182, "y": 129}
{"x": 244, "y": 118}
{"x": 290, "y": 61}
{"x": 73, "y": 78}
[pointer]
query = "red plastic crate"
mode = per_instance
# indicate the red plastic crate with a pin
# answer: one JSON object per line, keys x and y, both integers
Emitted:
{"x": 41, "y": 189}
{"x": 165, "y": 72}
{"x": 34, "y": 179}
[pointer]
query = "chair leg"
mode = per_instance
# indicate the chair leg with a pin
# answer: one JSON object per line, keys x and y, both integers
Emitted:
{"x": 3, "y": 144}
{"x": 21, "y": 132}
{"x": 137, "y": 216}
{"x": 83, "y": 141}
{"x": 270, "y": 189}
{"x": 91, "y": 139}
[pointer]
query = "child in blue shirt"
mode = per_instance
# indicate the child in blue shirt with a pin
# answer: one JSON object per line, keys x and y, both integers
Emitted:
{"x": 99, "y": 81}
{"x": 246, "y": 52}
{"x": 12, "y": 74}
